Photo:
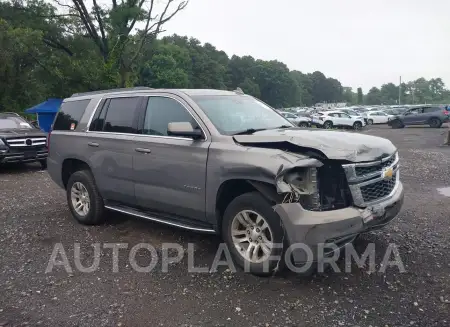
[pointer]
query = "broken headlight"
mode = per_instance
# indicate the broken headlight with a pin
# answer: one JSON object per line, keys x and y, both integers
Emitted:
{"x": 318, "y": 189}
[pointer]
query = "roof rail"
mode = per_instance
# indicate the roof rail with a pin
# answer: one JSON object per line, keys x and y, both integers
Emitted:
{"x": 9, "y": 113}
{"x": 137, "y": 88}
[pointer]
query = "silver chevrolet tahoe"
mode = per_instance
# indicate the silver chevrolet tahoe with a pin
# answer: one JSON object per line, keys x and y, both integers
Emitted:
{"x": 222, "y": 162}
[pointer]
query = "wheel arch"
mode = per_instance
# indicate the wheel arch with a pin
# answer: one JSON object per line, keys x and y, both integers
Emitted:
{"x": 70, "y": 166}
{"x": 232, "y": 188}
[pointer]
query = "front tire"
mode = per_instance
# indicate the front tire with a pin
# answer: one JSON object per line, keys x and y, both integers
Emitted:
{"x": 357, "y": 125}
{"x": 328, "y": 124}
{"x": 303, "y": 125}
{"x": 370, "y": 122}
{"x": 251, "y": 228}
{"x": 43, "y": 163}
{"x": 397, "y": 124}
{"x": 85, "y": 202}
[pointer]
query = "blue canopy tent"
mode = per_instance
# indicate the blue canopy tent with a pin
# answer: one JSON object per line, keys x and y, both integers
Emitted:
{"x": 46, "y": 112}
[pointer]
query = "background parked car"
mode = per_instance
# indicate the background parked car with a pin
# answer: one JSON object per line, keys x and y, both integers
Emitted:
{"x": 330, "y": 119}
{"x": 354, "y": 113}
{"x": 426, "y": 115}
{"x": 301, "y": 121}
{"x": 378, "y": 117}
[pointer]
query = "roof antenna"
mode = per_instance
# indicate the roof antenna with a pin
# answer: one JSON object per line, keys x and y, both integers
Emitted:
{"x": 239, "y": 91}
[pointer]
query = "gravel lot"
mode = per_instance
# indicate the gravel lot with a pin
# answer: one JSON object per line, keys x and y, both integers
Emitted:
{"x": 34, "y": 217}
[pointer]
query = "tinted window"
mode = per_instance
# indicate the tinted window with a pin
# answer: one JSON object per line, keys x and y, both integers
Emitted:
{"x": 98, "y": 119}
{"x": 120, "y": 115}
{"x": 69, "y": 115}
{"x": 432, "y": 109}
{"x": 160, "y": 112}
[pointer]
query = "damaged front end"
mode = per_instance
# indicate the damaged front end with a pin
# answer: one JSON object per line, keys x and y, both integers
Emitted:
{"x": 321, "y": 188}
{"x": 323, "y": 200}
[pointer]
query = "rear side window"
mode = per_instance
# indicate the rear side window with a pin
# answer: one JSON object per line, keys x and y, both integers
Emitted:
{"x": 69, "y": 115}
{"x": 120, "y": 115}
{"x": 426, "y": 110}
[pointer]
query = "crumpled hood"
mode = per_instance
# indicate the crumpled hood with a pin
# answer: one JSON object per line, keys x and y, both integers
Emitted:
{"x": 355, "y": 147}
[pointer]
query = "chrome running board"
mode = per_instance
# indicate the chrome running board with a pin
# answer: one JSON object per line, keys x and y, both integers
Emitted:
{"x": 167, "y": 221}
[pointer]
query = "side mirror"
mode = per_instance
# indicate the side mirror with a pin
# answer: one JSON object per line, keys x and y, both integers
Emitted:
{"x": 184, "y": 129}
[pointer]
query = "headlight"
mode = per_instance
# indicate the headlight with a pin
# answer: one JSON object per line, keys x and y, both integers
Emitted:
{"x": 1, "y": 142}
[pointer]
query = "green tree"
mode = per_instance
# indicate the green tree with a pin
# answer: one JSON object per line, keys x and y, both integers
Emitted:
{"x": 373, "y": 97}
{"x": 111, "y": 27}
{"x": 349, "y": 96}
{"x": 359, "y": 95}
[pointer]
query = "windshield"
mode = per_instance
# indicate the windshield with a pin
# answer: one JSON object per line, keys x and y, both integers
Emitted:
{"x": 352, "y": 113}
{"x": 13, "y": 122}
{"x": 232, "y": 114}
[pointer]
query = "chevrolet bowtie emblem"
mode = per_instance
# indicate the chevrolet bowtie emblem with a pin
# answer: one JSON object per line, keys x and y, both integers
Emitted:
{"x": 388, "y": 173}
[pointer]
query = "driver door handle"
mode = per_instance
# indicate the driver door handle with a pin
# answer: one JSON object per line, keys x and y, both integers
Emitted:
{"x": 93, "y": 144}
{"x": 142, "y": 150}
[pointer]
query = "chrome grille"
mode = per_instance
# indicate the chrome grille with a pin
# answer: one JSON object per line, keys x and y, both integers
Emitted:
{"x": 379, "y": 189}
{"x": 361, "y": 171}
{"x": 367, "y": 181}
{"x": 27, "y": 141}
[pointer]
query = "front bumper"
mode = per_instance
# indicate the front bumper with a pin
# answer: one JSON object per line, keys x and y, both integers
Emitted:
{"x": 7, "y": 156}
{"x": 339, "y": 227}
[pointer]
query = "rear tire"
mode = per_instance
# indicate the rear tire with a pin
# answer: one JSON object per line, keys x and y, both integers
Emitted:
{"x": 85, "y": 202}
{"x": 328, "y": 124}
{"x": 435, "y": 123}
{"x": 303, "y": 125}
{"x": 238, "y": 237}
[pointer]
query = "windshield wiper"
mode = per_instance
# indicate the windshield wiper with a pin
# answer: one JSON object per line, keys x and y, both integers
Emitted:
{"x": 249, "y": 131}
{"x": 283, "y": 126}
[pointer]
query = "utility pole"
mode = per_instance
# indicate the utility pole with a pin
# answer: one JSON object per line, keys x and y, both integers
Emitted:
{"x": 400, "y": 92}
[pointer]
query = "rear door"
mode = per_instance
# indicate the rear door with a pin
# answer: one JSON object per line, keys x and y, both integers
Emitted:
{"x": 109, "y": 146}
{"x": 170, "y": 172}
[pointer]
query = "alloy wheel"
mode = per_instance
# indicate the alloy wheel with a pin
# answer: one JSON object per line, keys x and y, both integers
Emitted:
{"x": 252, "y": 236}
{"x": 80, "y": 199}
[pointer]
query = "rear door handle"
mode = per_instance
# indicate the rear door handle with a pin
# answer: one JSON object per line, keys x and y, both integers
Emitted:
{"x": 141, "y": 150}
{"x": 93, "y": 144}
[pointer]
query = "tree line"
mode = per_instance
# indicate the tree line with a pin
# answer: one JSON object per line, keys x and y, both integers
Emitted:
{"x": 55, "y": 49}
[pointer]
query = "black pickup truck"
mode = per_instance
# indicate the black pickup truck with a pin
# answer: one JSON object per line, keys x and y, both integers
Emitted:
{"x": 20, "y": 141}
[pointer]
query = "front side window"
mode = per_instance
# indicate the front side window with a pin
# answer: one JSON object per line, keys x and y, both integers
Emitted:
{"x": 232, "y": 114}
{"x": 161, "y": 111}
{"x": 120, "y": 116}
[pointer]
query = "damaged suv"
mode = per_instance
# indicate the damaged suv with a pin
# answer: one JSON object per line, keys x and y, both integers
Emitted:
{"x": 222, "y": 162}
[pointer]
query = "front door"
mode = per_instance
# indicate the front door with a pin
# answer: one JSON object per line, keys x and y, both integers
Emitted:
{"x": 170, "y": 172}
{"x": 345, "y": 120}
{"x": 413, "y": 116}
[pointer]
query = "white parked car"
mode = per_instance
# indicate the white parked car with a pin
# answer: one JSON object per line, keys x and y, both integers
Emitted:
{"x": 378, "y": 117}
{"x": 297, "y": 120}
{"x": 330, "y": 119}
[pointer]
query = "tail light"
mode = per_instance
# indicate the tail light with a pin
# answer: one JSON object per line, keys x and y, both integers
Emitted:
{"x": 446, "y": 112}
{"x": 48, "y": 140}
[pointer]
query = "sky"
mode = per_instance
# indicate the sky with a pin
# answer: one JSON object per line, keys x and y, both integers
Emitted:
{"x": 361, "y": 43}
